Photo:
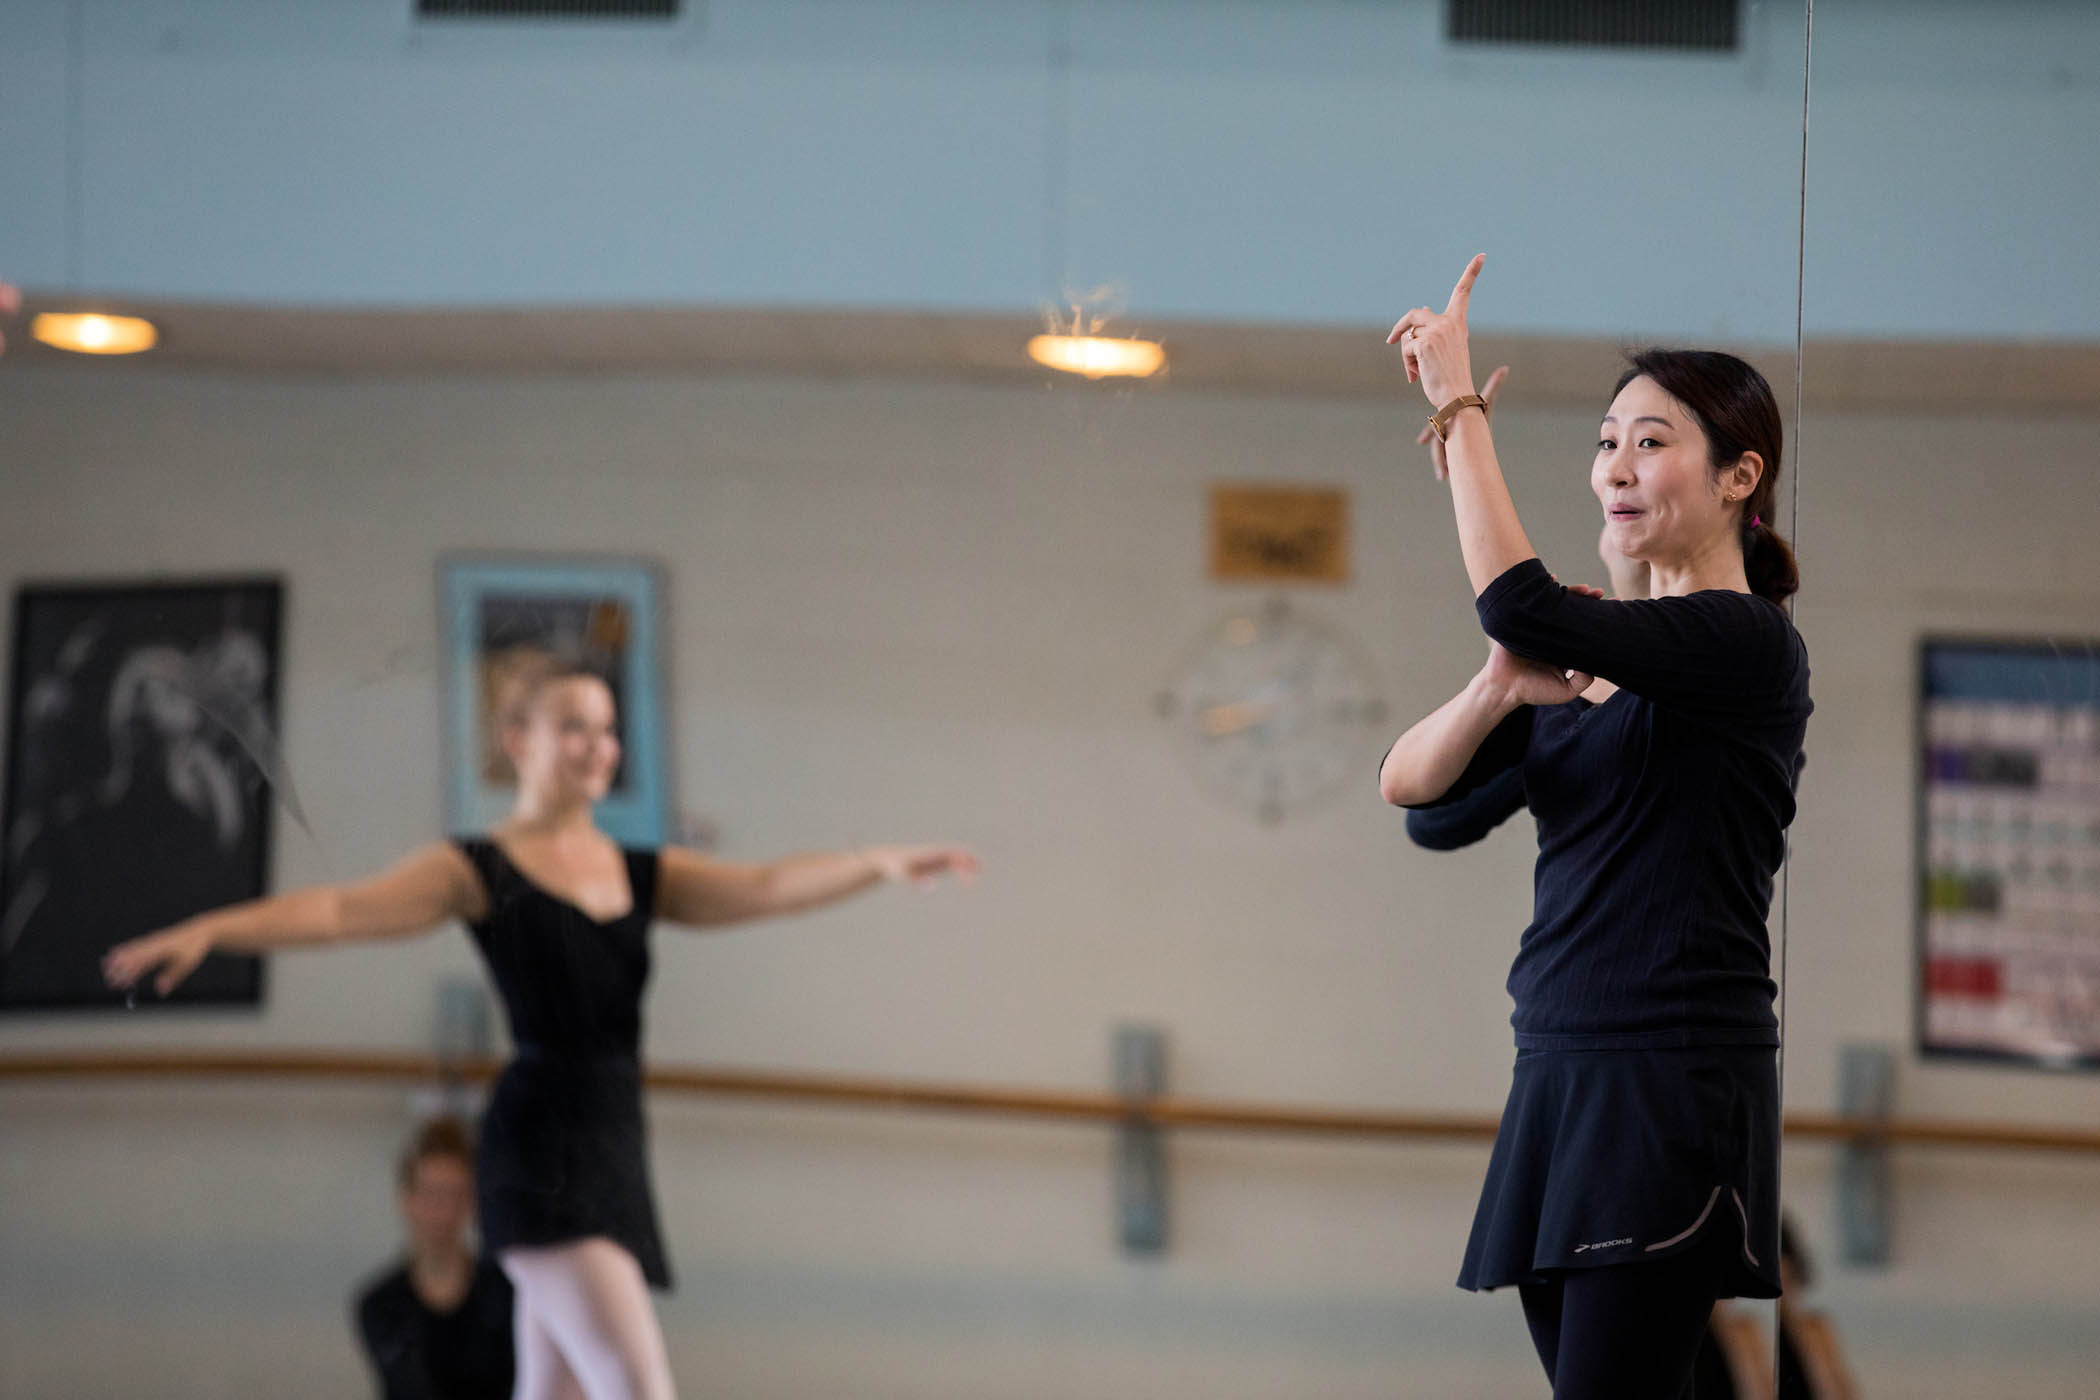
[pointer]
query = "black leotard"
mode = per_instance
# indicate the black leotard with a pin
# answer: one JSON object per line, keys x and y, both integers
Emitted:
{"x": 564, "y": 1153}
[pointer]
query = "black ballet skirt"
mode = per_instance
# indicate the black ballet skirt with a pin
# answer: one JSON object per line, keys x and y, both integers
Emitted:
{"x": 1617, "y": 1156}
{"x": 563, "y": 1151}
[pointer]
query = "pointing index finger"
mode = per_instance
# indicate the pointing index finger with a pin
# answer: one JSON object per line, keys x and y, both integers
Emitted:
{"x": 1463, "y": 292}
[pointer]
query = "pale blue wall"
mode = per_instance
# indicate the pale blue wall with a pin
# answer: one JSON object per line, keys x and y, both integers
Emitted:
{"x": 1279, "y": 160}
{"x": 1954, "y": 169}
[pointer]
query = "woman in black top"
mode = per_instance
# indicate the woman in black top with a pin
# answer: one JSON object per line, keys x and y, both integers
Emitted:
{"x": 561, "y": 915}
{"x": 1453, "y": 825}
{"x": 1634, "y": 1177}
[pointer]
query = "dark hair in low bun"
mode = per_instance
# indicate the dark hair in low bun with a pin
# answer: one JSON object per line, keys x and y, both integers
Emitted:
{"x": 1736, "y": 409}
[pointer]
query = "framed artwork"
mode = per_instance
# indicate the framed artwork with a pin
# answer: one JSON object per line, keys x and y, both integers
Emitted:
{"x": 2008, "y": 831}
{"x": 501, "y": 614}
{"x": 142, "y": 753}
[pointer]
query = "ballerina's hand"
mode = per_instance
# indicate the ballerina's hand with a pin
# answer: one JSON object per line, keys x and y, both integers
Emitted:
{"x": 1436, "y": 445}
{"x": 922, "y": 865}
{"x": 10, "y": 303}
{"x": 175, "y": 952}
{"x": 1433, "y": 344}
{"x": 1531, "y": 682}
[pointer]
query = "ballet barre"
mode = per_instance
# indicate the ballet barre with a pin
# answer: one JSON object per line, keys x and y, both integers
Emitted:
{"x": 991, "y": 1100}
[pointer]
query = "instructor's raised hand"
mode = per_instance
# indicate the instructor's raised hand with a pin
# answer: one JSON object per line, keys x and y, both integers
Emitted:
{"x": 1433, "y": 343}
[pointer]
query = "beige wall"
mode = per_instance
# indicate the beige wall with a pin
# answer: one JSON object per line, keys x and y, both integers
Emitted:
{"x": 902, "y": 610}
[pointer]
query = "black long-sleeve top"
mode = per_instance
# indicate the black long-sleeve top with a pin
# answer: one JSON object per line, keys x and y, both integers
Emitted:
{"x": 1461, "y": 821}
{"x": 1662, "y": 812}
{"x": 422, "y": 1354}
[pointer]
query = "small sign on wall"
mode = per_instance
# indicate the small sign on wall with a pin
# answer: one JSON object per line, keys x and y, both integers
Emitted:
{"x": 1279, "y": 534}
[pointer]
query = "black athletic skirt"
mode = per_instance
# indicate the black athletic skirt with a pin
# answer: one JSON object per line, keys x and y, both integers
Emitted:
{"x": 1618, "y": 1156}
{"x": 564, "y": 1156}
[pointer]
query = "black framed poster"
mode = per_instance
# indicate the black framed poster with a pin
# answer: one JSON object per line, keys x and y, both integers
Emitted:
{"x": 141, "y": 749}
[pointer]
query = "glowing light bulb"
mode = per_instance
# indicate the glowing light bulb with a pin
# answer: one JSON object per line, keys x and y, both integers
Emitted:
{"x": 92, "y": 333}
{"x": 1098, "y": 357}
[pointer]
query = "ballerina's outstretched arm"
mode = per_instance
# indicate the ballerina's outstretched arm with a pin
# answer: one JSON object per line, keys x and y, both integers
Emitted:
{"x": 702, "y": 892}
{"x": 416, "y": 894}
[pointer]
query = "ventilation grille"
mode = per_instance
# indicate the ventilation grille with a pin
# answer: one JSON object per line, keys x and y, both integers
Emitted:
{"x": 1677, "y": 26}
{"x": 547, "y": 9}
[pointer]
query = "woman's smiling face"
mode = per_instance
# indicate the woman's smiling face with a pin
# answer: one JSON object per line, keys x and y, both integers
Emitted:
{"x": 1653, "y": 477}
{"x": 567, "y": 745}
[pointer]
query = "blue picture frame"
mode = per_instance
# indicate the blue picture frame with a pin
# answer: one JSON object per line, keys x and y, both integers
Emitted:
{"x": 492, "y": 603}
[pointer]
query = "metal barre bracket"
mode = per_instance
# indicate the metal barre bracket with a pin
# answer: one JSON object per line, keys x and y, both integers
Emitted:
{"x": 1141, "y": 1159}
{"x": 1866, "y": 1091}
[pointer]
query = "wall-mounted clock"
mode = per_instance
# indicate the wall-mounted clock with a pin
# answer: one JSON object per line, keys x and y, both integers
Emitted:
{"x": 1276, "y": 711}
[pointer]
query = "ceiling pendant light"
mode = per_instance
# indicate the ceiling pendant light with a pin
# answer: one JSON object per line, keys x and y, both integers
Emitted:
{"x": 93, "y": 333}
{"x": 1098, "y": 357}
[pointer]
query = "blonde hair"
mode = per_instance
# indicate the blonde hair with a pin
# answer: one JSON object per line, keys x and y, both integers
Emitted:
{"x": 521, "y": 676}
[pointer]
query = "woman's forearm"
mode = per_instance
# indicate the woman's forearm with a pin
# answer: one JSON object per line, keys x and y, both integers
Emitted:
{"x": 701, "y": 893}
{"x": 795, "y": 883}
{"x": 807, "y": 881}
{"x": 1429, "y": 758}
{"x": 1489, "y": 533}
{"x": 413, "y": 894}
{"x": 309, "y": 916}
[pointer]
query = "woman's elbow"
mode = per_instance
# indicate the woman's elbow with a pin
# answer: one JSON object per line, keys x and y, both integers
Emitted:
{"x": 1528, "y": 623}
{"x": 1396, "y": 790}
{"x": 1509, "y": 629}
{"x": 339, "y": 916}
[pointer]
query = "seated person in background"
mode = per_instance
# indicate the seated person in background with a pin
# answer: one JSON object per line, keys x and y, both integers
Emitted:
{"x": 1811, "y": 1363}
{"x": 437, "y": 1326}
{"x": 1736, "y": 1358}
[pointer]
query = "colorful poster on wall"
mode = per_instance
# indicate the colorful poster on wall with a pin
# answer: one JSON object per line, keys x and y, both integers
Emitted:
{"x": 504, "y": 615}
{"x": 2009, "y": 851}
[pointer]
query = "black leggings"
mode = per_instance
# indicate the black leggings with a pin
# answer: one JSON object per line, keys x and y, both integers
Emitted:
{"x": 1626, "y": 1331}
